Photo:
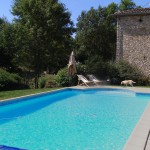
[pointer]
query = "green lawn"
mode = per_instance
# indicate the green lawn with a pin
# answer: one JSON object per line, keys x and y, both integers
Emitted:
{"x": 17, "y": 93}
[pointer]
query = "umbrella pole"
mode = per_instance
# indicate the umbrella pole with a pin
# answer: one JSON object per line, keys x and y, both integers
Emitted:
{"x": 70, "y": 81}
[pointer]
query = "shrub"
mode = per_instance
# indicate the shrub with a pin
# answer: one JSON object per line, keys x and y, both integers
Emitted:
{"x": 15, "y": 78}
{"x": 96, "y": 66}
{"x": 116, "y": 71}
{"x": 62, "y": 78}
{"x": 144, "y": 81}
{"x": 8, "y": 80}
{"x": 47, "y": 81}
{"x": 123, "y": 71}
{"x": 81, "y": 69}
{"x": 42, "y": 82}
{"x": 50, "y": 82}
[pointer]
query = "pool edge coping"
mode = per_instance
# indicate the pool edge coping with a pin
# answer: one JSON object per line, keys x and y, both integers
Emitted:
{"x": 26, "y": 96}
{"x": 139, "y": 135}
{"x": 133, "y": 89}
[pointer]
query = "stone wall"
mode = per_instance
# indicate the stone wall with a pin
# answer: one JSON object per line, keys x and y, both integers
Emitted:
{"x": 133, "y": 41}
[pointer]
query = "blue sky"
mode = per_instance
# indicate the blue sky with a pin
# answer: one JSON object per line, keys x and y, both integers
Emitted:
{"x": 74, "y": 6}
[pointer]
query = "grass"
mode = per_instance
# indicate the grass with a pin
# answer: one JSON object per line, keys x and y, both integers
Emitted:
{"x": 17, "y": 93}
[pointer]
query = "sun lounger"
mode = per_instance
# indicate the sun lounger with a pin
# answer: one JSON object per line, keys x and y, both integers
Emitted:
{"x": 94, "y": 79}
{"x": 84, "y": 80}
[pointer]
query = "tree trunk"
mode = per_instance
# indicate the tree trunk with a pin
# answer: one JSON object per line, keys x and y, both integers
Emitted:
{"x": 36, "y": 82}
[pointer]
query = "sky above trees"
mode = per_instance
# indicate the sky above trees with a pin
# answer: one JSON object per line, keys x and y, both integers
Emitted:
{"x": 74, "y": 6}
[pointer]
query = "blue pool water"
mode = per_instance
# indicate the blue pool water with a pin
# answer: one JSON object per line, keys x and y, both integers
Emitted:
{"x": 99, "y": 119}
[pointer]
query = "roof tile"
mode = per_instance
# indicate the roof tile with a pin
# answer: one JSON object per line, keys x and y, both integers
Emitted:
{"x": 137, "y": 11}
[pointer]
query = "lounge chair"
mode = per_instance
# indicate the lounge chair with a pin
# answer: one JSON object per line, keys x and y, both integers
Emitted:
{"x": 94, "y": 79}
{"x": 84, "y": 80}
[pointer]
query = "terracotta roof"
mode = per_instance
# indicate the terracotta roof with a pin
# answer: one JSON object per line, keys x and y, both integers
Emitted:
{"x": 136, "y": 11}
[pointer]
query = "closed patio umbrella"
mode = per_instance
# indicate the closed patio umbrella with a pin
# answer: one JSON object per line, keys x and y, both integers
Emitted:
{"x": 72, "y": 65}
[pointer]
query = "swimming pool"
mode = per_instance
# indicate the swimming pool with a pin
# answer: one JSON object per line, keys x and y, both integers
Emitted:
{"x": 72, "y": 119}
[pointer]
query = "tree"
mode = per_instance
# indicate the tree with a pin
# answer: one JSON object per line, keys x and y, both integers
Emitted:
{"x": 7, "y": 45}
{"x": 96, "y": 34}
{"x": 45, "y": 36}
{"x": 126, "y": 5}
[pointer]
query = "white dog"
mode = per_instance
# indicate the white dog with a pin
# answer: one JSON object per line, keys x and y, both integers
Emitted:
{"x": 127, "y": 82}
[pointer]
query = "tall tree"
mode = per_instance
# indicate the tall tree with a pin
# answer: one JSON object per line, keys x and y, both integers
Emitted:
{"x": 7, "y": 45}
{"x": 126, "y": 5}
{"x": 46, "y": 31}
{"x": 96, "y": 33}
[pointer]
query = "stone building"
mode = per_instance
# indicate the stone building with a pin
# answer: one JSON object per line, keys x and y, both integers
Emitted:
{"x": 133, "y": 38}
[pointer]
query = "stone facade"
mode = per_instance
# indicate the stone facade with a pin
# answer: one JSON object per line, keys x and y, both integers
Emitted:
{"x": 133, "y": 39}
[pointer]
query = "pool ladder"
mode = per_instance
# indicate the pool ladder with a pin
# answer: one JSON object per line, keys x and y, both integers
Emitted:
{"x": 147, "y": 146}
